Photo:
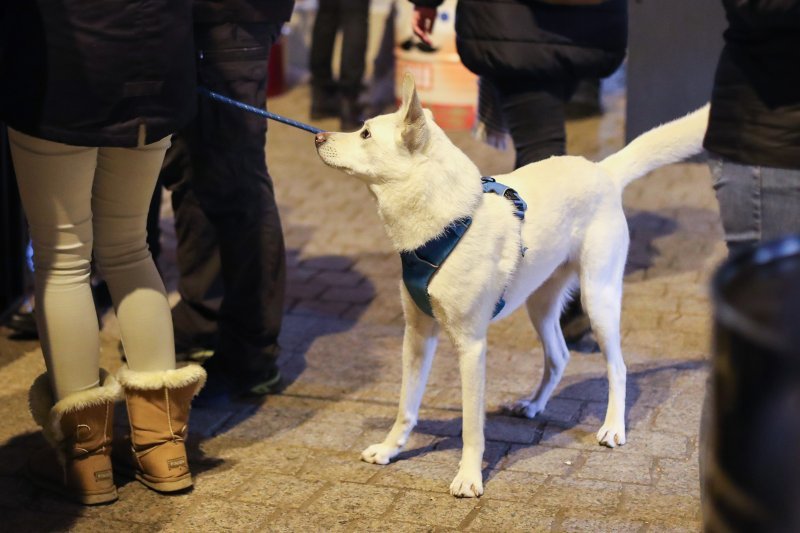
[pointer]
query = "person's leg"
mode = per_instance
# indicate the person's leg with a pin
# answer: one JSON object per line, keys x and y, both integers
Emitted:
{"x": 534, "y": 113}
{"x": 738, "y": 190}
{"x": 324, "y": 98}
{"x": 55, "y": 184}
{"x": 780, "y": 197}
{"x": 232, "y": 185}
{"x": 195, "y": 316}
{"x": 355, "y": 28}
{"x": 123, "y": 188}
{"x": 756, "y": 203}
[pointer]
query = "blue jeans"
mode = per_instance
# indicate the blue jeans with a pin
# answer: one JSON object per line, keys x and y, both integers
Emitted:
{"x": 755, "y": 203}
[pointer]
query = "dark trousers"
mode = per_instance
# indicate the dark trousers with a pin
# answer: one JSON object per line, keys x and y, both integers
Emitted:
{"x": 230, "y": 253}
{"x": 534, "y": 113}
{"x": 352, "y": 16}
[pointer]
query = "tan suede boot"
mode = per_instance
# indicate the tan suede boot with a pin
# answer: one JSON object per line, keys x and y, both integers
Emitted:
{"x": 158, "y": 411}
{"x": 78, "y": 429}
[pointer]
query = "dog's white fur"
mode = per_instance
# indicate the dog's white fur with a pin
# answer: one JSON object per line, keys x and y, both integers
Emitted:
{"x": 574, "y": 231}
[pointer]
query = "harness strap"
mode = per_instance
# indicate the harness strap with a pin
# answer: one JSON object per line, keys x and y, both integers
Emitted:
{"x": 420, "y": 265}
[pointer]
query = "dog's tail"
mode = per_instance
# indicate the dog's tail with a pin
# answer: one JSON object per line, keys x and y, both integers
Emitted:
{"x": 668, "y": 143}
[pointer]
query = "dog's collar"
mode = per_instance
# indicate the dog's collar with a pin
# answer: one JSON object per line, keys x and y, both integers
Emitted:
{"x": 420, "y": 265}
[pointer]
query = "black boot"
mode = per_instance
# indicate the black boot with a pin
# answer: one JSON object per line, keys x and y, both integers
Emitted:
{"x": 351, "y": 116}
{"x": 324, "y": 103}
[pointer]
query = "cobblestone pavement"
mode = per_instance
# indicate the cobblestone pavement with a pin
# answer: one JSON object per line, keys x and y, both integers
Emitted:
{"x": 292, "y": 463}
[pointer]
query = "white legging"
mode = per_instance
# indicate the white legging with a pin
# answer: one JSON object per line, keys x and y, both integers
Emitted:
{"x": 74, "y": 197}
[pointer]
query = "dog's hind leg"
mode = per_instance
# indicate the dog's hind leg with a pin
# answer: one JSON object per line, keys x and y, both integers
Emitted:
{"x": 602, "y": 267}
{"x": 544, "y": 308}
{"x": 419, "y": 345}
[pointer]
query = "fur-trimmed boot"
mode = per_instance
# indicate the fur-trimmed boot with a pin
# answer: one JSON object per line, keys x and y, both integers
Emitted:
{"x": 79, "y": 430}
{"x": 158, "y": 411}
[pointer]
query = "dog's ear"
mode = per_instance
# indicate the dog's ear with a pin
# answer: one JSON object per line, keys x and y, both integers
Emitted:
{"x": 414, "y": 128}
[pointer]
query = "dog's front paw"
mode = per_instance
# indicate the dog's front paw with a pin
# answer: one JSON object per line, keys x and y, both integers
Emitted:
{"x": 379, "y": 454}
{"x": 611, "y": 435}
{"x": 523, "y": 409}
{"x": 467, "y": 485}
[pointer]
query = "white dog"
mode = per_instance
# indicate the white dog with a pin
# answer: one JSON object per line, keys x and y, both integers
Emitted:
{"x": 574, "y": 231}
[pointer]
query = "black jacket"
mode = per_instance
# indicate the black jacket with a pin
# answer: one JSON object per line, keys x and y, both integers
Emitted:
{"x": 90, "y": 72}
{"x": 528, "y": 39}
{"x": 274, "y": 11}
{"x": 755, "y": 104}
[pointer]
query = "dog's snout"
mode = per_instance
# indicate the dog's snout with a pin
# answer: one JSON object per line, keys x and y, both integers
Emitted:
{"x": 320, "y": 138}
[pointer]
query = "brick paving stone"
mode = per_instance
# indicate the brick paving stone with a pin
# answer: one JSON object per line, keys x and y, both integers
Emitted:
{"x": 608, "y": 465}
{"x": 581, "y": 497}
{"x": 512, "y": 485}
{"x": 347, "y": 278}
{"x": 418, "y": 475}
{"x": 278, "y": 490}
{"x": 381, "y": 525}
{"x": 542, "y": 459}
{"x": 675, "y": 526}
{"x": 331, "y": 309}
{"x": 337, "y": 264}
{"x": 216, "y": 515}
{"x": 495, "y": 515}
{"x": 651, "y": 504}
{"x": 361, "y": 294}
{"x": 432, "y": 509}
{"x": 291, "y": 522}
{"x": 341, "y": 466}
{"x": 267, "y": 455}
{"x": 678, "y": 476}
{"x": 351, "y": 500}
{"x": 591, "y": 525}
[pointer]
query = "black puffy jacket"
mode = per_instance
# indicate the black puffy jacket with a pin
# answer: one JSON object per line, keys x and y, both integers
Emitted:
{"x": 90, "y": 72}
{"x": 755, "y": 104}
{"x": 274, "y": 11}
{"x": 530, "y": 39}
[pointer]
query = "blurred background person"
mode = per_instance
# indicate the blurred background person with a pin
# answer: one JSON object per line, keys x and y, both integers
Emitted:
{"x": 339, "y": 98}
{"x": 530, "y": 56}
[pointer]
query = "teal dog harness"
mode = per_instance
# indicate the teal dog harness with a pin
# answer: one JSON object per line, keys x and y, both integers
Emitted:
{"x": 420, "y": 265}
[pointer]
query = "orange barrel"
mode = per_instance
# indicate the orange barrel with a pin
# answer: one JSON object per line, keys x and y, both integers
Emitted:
{"x": 444, "y": 84}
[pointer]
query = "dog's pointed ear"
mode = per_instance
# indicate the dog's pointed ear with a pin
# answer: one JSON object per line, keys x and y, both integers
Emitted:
{"x": 414, "y": 127}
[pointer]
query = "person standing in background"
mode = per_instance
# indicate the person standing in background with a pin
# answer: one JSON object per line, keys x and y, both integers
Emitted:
{"x": 530, "y": 56}
{"x": 753, "y": 131}
{"x": 230, "y": 250}
{"x": 330, "y": 98}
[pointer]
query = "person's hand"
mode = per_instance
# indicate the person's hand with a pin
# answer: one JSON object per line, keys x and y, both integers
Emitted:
{"x": 422, "y": 23}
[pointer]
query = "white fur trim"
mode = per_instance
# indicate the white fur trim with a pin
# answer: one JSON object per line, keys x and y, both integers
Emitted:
{"x": 48, "y": 415}
{"x": 170, "y": 379}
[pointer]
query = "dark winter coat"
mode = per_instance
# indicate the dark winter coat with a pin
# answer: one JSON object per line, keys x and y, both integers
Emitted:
{"x": 530, "y": 39}
{"x": 91, "y": 72}
{"x": 272, "y": 11}
{"x": 755, "y": 104}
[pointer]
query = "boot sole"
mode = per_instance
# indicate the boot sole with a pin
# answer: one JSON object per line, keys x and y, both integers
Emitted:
{"x": 173, "y": 485}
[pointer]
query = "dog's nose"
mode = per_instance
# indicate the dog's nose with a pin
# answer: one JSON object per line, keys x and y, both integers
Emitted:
{"x": 320, "y": 138}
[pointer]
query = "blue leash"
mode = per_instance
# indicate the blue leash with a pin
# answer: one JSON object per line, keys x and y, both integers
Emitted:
{"x": 264, "y": 113}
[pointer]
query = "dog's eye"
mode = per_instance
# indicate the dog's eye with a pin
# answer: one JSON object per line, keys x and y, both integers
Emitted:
{"x": 365, "y": 134}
